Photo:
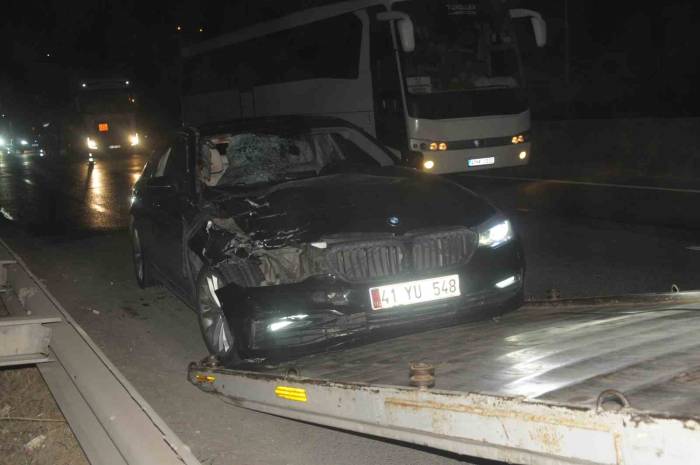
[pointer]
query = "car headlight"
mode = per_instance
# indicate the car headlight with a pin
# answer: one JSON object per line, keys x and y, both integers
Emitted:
{"x": 495, "y": 232}
{"x": 134, "y": 138}
{"x": 23, "y": 142}
{"x": 91, "y": 143}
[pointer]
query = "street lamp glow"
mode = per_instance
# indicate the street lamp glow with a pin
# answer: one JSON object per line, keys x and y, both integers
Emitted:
{"x": 83, "y": 85}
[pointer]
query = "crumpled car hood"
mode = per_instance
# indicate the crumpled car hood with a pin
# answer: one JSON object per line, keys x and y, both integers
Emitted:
{"x": 386, "y": 200}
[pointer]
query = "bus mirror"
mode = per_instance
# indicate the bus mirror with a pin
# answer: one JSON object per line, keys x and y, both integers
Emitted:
{"x": 408, "y": 39}
{"x": 539, "y": 26}
{"x": 404, "y": 26}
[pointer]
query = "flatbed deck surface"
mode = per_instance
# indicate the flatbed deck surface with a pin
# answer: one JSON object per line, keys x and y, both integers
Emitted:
{"x": 563, "y": 353}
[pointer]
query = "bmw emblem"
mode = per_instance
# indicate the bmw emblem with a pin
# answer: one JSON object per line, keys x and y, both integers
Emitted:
{"x": 393, "y": 221}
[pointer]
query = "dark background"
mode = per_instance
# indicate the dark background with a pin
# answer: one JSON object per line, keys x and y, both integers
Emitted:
{"x": 604, "y": 59}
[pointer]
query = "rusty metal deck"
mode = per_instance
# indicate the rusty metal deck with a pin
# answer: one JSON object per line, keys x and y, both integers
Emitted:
{"x": 566, "y": 354}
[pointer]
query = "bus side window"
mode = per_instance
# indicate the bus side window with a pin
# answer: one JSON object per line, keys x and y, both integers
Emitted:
{"x": 388, "y": 104}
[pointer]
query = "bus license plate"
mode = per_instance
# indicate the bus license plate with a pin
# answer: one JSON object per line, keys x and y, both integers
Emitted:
{"x": 481, "y": 161}
{"x": 414, "y": 292}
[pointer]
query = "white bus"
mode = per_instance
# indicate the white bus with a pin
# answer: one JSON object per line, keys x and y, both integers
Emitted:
{"x": 438, "y": 81}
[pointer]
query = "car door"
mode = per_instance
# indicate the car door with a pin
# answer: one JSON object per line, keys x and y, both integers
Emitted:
{"x": 170, "y": 196}
{"x": 142, "y": 199}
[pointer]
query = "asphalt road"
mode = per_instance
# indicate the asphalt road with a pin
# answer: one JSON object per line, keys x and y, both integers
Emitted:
{"x": 68, "y": 222}
{"x": 67, "y": 196}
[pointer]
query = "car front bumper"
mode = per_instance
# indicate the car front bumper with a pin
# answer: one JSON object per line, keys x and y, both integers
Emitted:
{"x": 288, "y": 320}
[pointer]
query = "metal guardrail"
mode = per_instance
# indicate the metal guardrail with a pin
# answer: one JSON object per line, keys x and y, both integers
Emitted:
{"x": 112, "y": 422}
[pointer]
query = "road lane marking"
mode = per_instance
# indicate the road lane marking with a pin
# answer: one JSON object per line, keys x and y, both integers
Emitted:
{"x": 586, "y": 183}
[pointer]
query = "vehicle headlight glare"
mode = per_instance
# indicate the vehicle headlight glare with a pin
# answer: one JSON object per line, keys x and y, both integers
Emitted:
{"x": 91, "y": 143}
{"x": 2, "y": 142}
{"x": 496, "y": 234}
{"x": 285, "y": 322}
{"x": 134, "y": 139}
{"x": 23, "y": 142}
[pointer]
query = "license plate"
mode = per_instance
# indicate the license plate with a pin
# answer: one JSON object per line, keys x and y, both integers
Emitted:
{"x": 414, "y": 292}
{"x": 115, "y": 146}
{"x": 481, "y": 161}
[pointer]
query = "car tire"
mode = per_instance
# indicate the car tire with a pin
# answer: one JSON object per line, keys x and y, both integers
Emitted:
{"x": 213, "y": 324}
{"x": 142, "y": 269}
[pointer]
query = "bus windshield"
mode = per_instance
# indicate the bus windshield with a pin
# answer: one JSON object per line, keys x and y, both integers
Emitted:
{"x": 460, "y": 45}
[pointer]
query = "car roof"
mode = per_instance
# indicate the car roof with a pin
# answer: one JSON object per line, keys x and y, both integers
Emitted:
{"x": 283, "y": 124}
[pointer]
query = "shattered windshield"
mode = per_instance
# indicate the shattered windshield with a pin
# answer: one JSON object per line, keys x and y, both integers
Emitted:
{"x": 253, "y": 158}
{"x": 460, "y": 45}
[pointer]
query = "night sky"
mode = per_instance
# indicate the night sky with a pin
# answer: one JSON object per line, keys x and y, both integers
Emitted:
{"x": 624, "y": 58}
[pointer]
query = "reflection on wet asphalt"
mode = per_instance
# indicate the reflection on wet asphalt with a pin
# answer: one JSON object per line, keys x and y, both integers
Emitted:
{"x": 66, "y": 195}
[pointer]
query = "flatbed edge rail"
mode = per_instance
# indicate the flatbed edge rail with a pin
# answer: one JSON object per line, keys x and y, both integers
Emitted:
{"x": 509, "y": 429}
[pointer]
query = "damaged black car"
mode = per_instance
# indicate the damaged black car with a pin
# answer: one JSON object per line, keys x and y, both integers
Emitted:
{"x": 293, "y": 234}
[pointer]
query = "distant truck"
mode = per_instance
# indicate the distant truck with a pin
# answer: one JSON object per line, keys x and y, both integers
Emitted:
{"x": 104, "y": 118}
{"x": 440, "y": 82}
{"x": 17, "y": 139}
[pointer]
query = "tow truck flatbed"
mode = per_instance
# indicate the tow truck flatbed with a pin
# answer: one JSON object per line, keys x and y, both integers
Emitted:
{"x": 609, "y": 381}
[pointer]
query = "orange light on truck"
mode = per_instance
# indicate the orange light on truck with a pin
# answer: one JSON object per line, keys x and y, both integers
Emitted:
{"x": 103, "y": 127}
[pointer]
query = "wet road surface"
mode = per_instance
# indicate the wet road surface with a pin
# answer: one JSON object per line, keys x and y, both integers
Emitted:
{"x": 70, "y": 226}
{"x": 65, "y": 195}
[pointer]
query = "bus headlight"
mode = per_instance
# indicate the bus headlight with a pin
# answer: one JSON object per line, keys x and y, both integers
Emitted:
{"x": 518, "y": 139}
{"x": 495, "y": 232}
{"x": 428, "y": 145}
{"x": 91, "y": 143}
{"x": 134, "y": 139}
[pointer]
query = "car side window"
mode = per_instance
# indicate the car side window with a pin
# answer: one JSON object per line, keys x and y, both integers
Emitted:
{"x": 161, "y": 162}
{"x": 176, "y": 164}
